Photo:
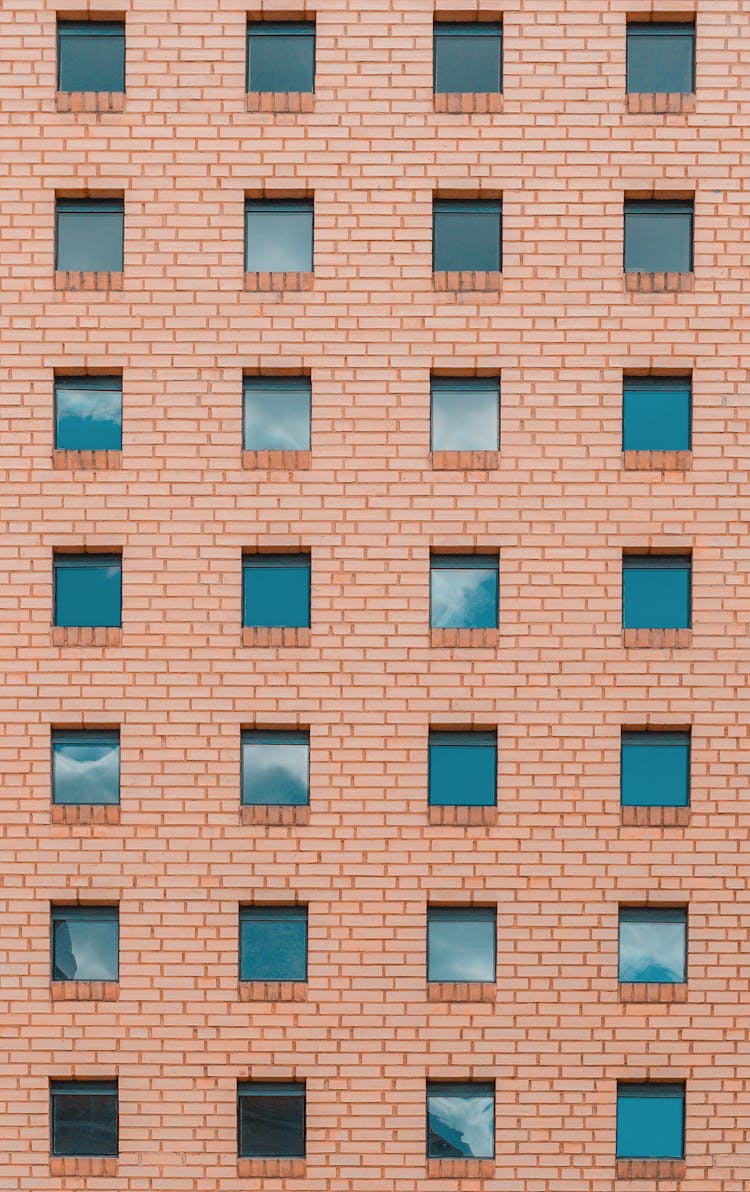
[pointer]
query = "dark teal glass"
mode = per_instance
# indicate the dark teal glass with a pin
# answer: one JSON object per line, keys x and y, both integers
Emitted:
{"x": 467, "y": 236}
{"x": 275, "y": 768}
{"x": 83, "y": 1117}
{"x": 88, "y": 413}
{"x": 650, "y": 1121}
{"x": 461, "y": 943}
{"x": 85, "y": 767}
{"x": 273, "y": 943}
{"x": 90, "y": 235}
{"x": 85, "y": 943}
{"x": 281, "y": 56}
{"x": 461, "y": 1120}
{"x": 655, "y": 769}
{"x": 462, "y": 769}
{"x": 276, "y": 590}
{"x": 270, "y": 1120}
{"x": 659, "y": 237}
{"x": 653, "y": 945}
{"x": 91, "y": 56}
{"x": 278, "y": 237}
{"x": 468, "y": 57}
{"x": 465, "y": 414}
{"x": 660, "y": 57}
{"x": 656, "y": 414}
{"x": 88, "y": 590}
{"x": 277, "y": 413}
{"x": 463, "y": 592}
{"x": 656, "y": 592}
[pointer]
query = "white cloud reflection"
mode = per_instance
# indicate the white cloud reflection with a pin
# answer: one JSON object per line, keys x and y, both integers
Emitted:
{"x": 464, "y": 1124}
{"x": 275, "y": 773}
{"x": 86, "y": 773}
{"x": 95, "y": 405}
{"x": 463, "y": 598}
{"x": 652, "y": 951}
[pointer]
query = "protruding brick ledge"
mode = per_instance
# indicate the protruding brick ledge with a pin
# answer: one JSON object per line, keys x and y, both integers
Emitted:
{"x": 655, "y": 817}
{"x": 668, "y": 639}
{"x": 272, "y": 991}
{"x": 465, "y": 461}
{"x": 261, "y": 635}
{"x": 272, "y": 283}
{"x": 462, "y": 817}
{"x": 85, "y": 991}
{"x": 467, "y": 279}
{"x": 460, "y": 1169}
{"x": 75, "y": 280}
{"x": 466, "y": 103}
{"x": 657, "y": 461}
{"x": 280, "y": 101}
{"x": 82, "y": 1165}
{"x": 286, "y": 461}
{"x": 461, "y": 991}
{"x": 658, "y": 283}
{"x": 460, "y": 638}
{"x": 87, "y": 635}
{"x": 85, "y": 813}
{"x": 656, "y": 993}
{"x": 660, "y": 103}
{"x": 90, "y": 101}
{"x": 274, "y": 816}
{"x": 650, "y": 1169}
{"x": 100, "y": 461}
{"x": 271, "y": 1168}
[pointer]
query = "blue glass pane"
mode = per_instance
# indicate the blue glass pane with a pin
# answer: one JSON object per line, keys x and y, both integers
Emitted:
{"x": 281, "y": 56}
{"x": 278, "y": 237}
{"x": 653, "y": 945}
{"x": 84, "y": 1119}
{"x": 650, "y": 1121}
{"x": 466, "y": 236}
{"x": 85, "y": 943}
{"x": 271, "y": 1121}
{"x": 656, "y": 414}
{"x": 90, "y": 235}
{"x": 88, "y": 413}
{"x": 276, "y": 590}
{"x": 659, "y": 237}
{"x": 277, "y": 414}
{"x": 660, "y": 57}
{"x": 463, "y": 595}
{"x": 655, "y": 769}
{"x": 462, "y": 772}
{"x": 273, "y": 943}
{"x": 88, "y": 590}
{"x": 655, "y": 592}
{"x": 91, "y": 56}
{"x": 468, "y": 57}
{"x": 460, "y": 1121}
{"x": 465, "y": 415}
{"x": 275, "y": 768}
{"x": 85, "y": 767}
{"x": 460, "y": 944}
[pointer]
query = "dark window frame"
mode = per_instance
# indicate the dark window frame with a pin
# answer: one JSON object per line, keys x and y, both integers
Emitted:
{"x": 273, "y": 737}
{"x": 92, "y": 559}
{"x": 451, "y": 912}
{"x": 441, "y": 28}
{"x": 657, "y": 562}
{"x": 61, "y": 912}
{"x": 663, "y": 384}
{"x": 651, "y": 1089}
{"x": 295, "y": 384}
{"x": 469, "y": 385}
{"x": 103, "y": 1088}
{"x": 272, "y": 28}
{"x": 669, "y": 29}
{"x": 447, "y": 738}
{"x": 281, "y": 1088}
{"x": 67, "y": 28}
{"x": 469, "y": 207}
{"x": 466, "y": 1088}
{"x": 673, "y": 914}
{"x": 278, "y": 207}
{"x": 439, "y": 561}
{"x": 258, "y": 560}
{"x": 83, "y": 206}
{"x": 663, "y": 207}
{"x": 106, "y": 736}
{"x": 656, "y": 738}
{"x": 109, "y": 383}
{"x": 295, "y": 912}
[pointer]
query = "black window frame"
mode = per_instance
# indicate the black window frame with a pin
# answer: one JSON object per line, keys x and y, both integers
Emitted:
{"x": 677, "y": 914}
{"x": 288, "y": 384}
{"x": 272, "y": 28}
{"x": 109, "y": 382}
{"x": 678, "y": 28}
{"x": 658, "y": 384}
{"x": 440, "y": 561}
{"x": 483, "y": 738}
{"x": 259, "y": 1088}
{"x": 88, "y": 559}
{"x": 662, "y": 739}
{"x": 657, "y": 562}
{"x": 295, "y": 911}
{"x": 108, "y": 1088}
{"x": 469, "y": 385}
{"x": 94, "y": 911}
{"x": 84, "y": 206}
{"x": 685, "y": 207}
{"x": 74, "y": 735}
{"x": 469, "y": 207}
{"x": 75, "y": 28}
{"x": 652, "y": 1088}
{"x": 467, "y": 1088}
{"x": 296, "y": 736}
{"x": 477, "y": 29}
{"x": 306, "y": 206}
{"x": 448, "y": 911}
{"x": 267, "y": 559}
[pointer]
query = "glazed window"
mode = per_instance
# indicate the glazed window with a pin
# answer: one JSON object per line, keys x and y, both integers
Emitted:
{"x": 273, "y": 943}
{"x": 658, "y": 237}
{"x": 90, "y": 235}
{"x": 275, "y": 768}
{"x": 460, "y": 1120}
{"x": 277, "y": 413}
{"x": 276, "y": 590}
{"x": 463, "y": 591}
{"x": 85, "y": 943}
{"x": 462, "y": 769}
{"x": 88, "y": 590}
{"x": 653, "y": 944}
{"x": 468, "y": 57}
{"x": 656, "y": 591}
{"x": 91, "y": 56}
{"x": 656, "y": 413}
{"x": 465, "y": 414}
{"x": 461, "y": 943}
{"x": 83, "y": 1117}
{"x": 660, "y": 56}
{"x": 281, "y": 56}
{"x": 655, "y": 769}
{"x": 467, "y": 236}
{"x": 270, "y": 1120}
{"x": 88, "y": 413}
{"x": 650, "y": 1120}
{"x": 278, "y": 236}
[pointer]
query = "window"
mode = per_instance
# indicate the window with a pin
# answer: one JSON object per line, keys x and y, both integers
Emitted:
{"x": 462, "y": 769}
{"x": 460, "y": 943}
{"x": 90, "y": 235}
{"x": 276, "y": 590}
{"x": 88, "y": 413}
{"x": 85, "y": 767}
{"x": 281, "y": 56}
{"x": 467, "y": 236}
{"x": 271, "y": 1120}
{"x": 650, "y": 1121}
{"x": 653, "y": 944}
{"x": 275, "y": 768}
{"x": 460, "y": 1121}
{"x": 91, "y": 56}
{"x": 277, "y": 413}
{"x": 468, "y": 57}
{"x": 83, "y": 1116}
{"x": 88, "y": 590}
{"x": 656, "y": 413}
{"x": 659, "y": 237}
{"x": 85, "y": 943}
{"x": 463, "y": 591}
{"x": 273, "y": 943}
{"x": 656, "y": 592}
{"x": 465, "y": 414}
{"x": 655, "y": 769}
{"x": 278, "y": 236}
{"x": 660, "y": 57}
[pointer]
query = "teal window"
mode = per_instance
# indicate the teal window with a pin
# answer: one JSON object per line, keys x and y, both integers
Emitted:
{"x": 461, "y": 943}
{"x": 88, "y": 413}
{"x": 660, "y": 56}
{"x": 276, "y": 590}
{"x": 656, "y": 592}
{"x": 463, "y": 592}
{"x": 656, "y": 413}
{"x": 275, "y": 768}
{"x": 460, "y": 1120}
{"x": 465, "y": 414}
{"x": 273, "y": 943}
{"x": 270, "y": 1120}
{"x": 90, "y": 55}
{"x": 85, "y": 943}
{"x": 85, "y": 767}
{"x": 90, "y": 235}
{"x": 653, "y": 944}
{"x": 462, "y": 769}
{"x": 650, "y": 1120}
{"x": 468, "y": 57}
{"x": 655, "y": 769}
{"x": 278, "y": 236}
{"x": 659, "y": 237}
{"x": 277, "y": 413}
{"x": 281, "y": 56}
{"x": 88, "y": 590}
{"x": 467, "y": 236}
{"x": 83, "y": 1117}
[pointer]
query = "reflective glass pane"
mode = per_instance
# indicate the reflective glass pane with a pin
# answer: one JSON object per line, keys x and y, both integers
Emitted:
{"x": 650, "y": 1121}
{"x": 466, "y": 236}
{"x": 85, "y": 767}
{"x": 460, "y": 1121}
{"x": 90, "y": 235}
{"x": 277, "y": 414}
{"x": 88, "y": 413}
{"x": 278, "y": 237}
{"x": 462, "y": 769}
{"x": 656, "y": 414}
{"x": 655, "y": 769}
{"x": 85, "y": 943}
{"x": 276, "y": 590}
{"x": 281, "y": 56}
{"x": 88, "y": 590}
{"x": 659, "y": 237}
{"x": 653, "y": 944}
{"x": 465, "y": 414}
{"x": 660, "y": 57}
{"x": 468, "y": 57}
{"x": 460, "y": 944}
{"x": 84, "y": 1118}
{"x": 273, "y": 943}
{"x": 271, "y": 1121}
{"x": 275, "y": 768}
{"x": 91, "y": 56}
{"x": 463, "y": 592}
{"x": 655, "y": 592}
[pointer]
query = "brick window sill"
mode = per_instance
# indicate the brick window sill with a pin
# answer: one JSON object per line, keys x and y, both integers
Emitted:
{"x": 660, "y": 103}
{"x": 271, "y": 1168}
{"x": 85, "y": 991}
{"x": 85, "y": 813}
{"x": 82, "y": 1165}
{"x": 99, "y": 461}
{"x": 265, "y": 815}
{"x": 461, "y": 991}
{"x": 272, "y": 991}
{"x": 668, "y": 639}
{"x": 451, "y": 638}
{"x": 655, "y": 817}
{"x": 658, "y": 283}
{"x": 464, "y": 461}
{"x": 465, "y": 103}
{"x": 76, "y": 280}
{"x": 87, "y": 635}
{"x": 280, "y": 101}
{"x": 462, "y": 817}
{"x": 90, "y": 101}
{"x": 650, "y": 1169}
{"x": 467, "y": 279}
{"x": 286, "y": 461}
{"x": 657, "y": 461}
{"x": 262, "y": 635}
{"x": 273, "y": 283}
{"x": 661, "y": 994}
{"x": 460, "y": 1169}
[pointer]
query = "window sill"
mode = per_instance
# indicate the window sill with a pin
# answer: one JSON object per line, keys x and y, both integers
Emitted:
{"x": 86, "y": 635}
{"x": 271, "y": 1168}
{"x": 99, "y": 461}
{"x": 657, "y": 638}
{"x": 660, "y": 103}
{"x": 85, "y": 991}
{"x": 286, "y": 461}
{"x": 90, "y": 101}
{"x": 658, "y": 283}
{"x": 467, "y": 280}
{"x": 82, "y": 1165}
{"x": 272, "y": 991}
{"x": 85, "y": 813}
{"x": 465, "y": 103}
{"x": 277, "y": 815}
{"x": 655, "y": 817}
{"x": 656, "y": 994}
{"x": 461, "y": 817}
{"x": 280, "y": 101}
{"x": 657, "y": 461}
{"x": 464, "y": 461}
{"x": 262, "y": 635}
{"x": 272, "y": 283}
{"x": 76, "y": 280}
{"x": 650, "y": 1169}
{"x": 460, "y": 1169}
{"x": 461, "y": 991}
{"x": 459, "y": 638}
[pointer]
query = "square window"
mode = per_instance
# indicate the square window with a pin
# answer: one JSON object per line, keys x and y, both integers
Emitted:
{"x": 660, "y": 57}
{"x": 270, "y": 1120}
{"x": 658, "y": 237}
{"x": 463, "y": 591}
{"x": 85, "y": 767}
{"x": 276, "y": 590}
{"x": 465, "y": 414}
{"x": 278, "y": 237}
{"x": 650, "y": 1121}
{"x": 85, "y": 943}
{"x": 91, "y": 56}
{"x": 273, "y": 943}
{"x": 461, "y": 943}
{"x": 468, "y": 57}
{"x": 467, "y": 236}
{"x": 277, "y": 413}
{"x": 653, "y": 944}
{"x": 462, "y": 769}
{"x": 88, "y": 590}
{"x": 88, "y": 413}
{"x": 656, "y": 592}
{"x": 655, "y": 769}
{"x": 656, "y": 413}
{"x": 90, "y": 235}
{"x": 460, "y": 1121}
{"x": 83, "y": 1117}
{"x": 275, "y": 768}
{"x": 281, "y": 56}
